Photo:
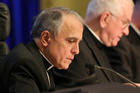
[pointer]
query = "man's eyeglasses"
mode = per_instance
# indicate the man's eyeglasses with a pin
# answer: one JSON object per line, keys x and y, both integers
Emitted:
{"x": 124, "y": 23}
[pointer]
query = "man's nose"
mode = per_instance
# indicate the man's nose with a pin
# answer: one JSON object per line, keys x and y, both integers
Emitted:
{"x": 75, "y": 49}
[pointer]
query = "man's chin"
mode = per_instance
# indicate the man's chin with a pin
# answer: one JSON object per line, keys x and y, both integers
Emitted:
{"x": 65, "y": 67}
{"x": 114, "y": 44}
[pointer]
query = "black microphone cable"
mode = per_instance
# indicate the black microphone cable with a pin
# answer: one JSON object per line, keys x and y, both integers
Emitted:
{"x": 104, "y": 68}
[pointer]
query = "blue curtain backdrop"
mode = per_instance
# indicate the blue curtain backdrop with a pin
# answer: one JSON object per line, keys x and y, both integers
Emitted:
{"x": 22, "y": 13}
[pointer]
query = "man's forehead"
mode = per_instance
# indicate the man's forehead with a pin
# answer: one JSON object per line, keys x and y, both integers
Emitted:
{"x": 71, "y": 24}
{"x": 71, "y": 27}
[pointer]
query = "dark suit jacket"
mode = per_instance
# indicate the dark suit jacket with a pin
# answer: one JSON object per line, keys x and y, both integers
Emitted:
{"x": 125, "y": 58}
{"x": 24, "y": 70}
{"x": 121, "y": 58}
{"x": 82, "y": 70}
{"x": 134, "y": 39}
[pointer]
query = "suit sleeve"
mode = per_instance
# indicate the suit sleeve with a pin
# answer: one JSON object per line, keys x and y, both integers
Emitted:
{"x": 21, "y": 81}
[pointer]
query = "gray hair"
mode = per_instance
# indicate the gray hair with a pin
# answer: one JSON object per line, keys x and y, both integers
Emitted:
{"x": 51, "y": 19}
{"x": 97, "y": 7}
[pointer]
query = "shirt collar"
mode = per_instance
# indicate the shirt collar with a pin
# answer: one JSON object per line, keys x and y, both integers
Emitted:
{"x": 135, "y": 28}
{"x": 96, "y": 36}
{"x": 47, "y": 61}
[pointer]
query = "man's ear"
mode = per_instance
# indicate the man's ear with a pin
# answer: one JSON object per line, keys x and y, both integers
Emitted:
{"x": 105, "y": 18}
{"x": 45, "y": 38}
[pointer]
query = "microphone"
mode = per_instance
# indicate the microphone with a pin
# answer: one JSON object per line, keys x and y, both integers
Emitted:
{"x": 107, "y": 69}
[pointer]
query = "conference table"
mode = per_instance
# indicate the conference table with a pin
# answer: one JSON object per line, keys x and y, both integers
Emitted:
{"x": 101, "y": 88}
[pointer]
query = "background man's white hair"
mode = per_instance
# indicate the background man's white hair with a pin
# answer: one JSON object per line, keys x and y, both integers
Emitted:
{"x": 97, "y": 7}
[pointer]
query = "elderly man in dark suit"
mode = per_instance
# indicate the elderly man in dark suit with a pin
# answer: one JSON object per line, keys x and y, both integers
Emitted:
{"x": 56, "y": 34}
{"x": 125, "y": 58}
{"x": 106, "y": 22}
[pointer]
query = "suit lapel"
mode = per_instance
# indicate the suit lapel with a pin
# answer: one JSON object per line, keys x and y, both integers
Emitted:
{"x": 40, "y": 65}
{"x": 97, "y": 49}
